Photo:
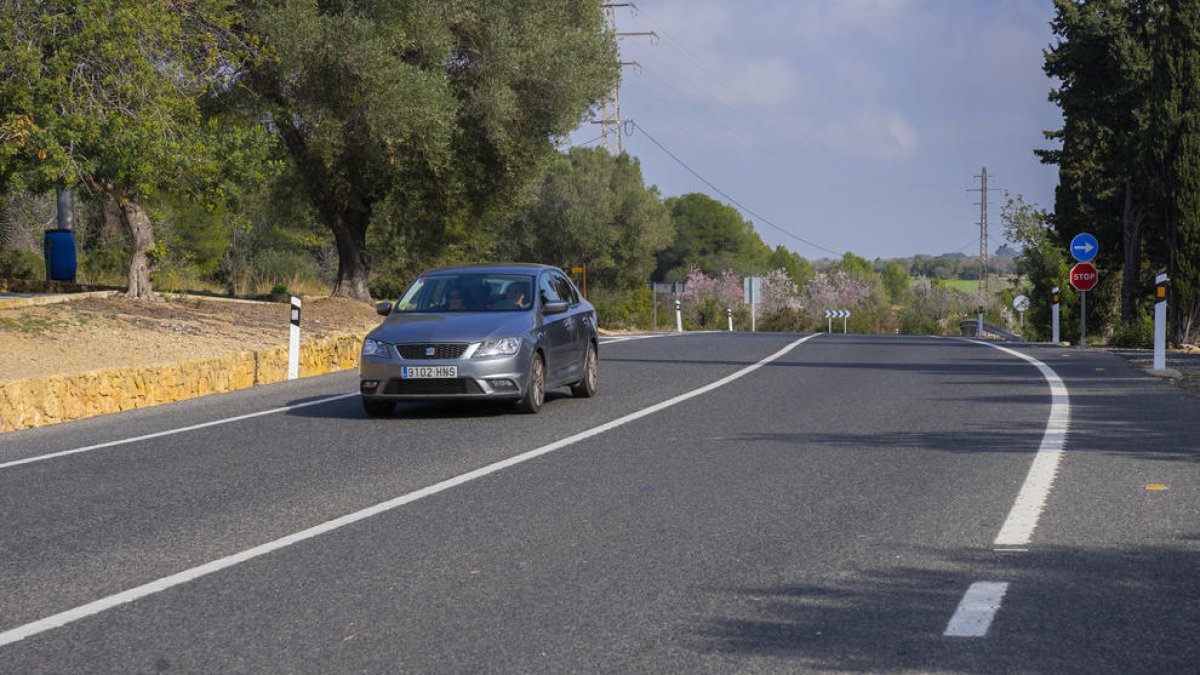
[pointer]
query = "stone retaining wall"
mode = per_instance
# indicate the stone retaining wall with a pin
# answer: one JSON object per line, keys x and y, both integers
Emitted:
{"x": 37, "y": 401}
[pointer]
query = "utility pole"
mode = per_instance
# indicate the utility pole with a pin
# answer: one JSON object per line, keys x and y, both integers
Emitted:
{"x": 610, "y": 113}
{"x": 983, "y": 229}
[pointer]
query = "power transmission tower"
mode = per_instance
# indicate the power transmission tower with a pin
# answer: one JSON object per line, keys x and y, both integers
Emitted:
{"x": 610, "y": 113}
{"x": 983, "y": 228}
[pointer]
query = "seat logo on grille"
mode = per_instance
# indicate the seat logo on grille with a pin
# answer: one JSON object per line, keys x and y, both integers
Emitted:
{"x": 430, "y": 351}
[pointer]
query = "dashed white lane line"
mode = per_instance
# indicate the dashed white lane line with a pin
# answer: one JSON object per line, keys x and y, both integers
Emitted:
{"x": 974, "y": 615}
{"x": 106, "y": 603}
{"x": 171, "y": 432}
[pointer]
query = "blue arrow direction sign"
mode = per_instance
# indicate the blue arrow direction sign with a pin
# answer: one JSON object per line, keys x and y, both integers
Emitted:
{"x": 1084, "y": 247}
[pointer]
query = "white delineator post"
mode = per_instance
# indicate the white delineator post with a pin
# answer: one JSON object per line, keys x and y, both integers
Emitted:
{"x": 294, "y": 341}
{"x": 729, "y": 313}
{"x": 678, "y": 317}
{"x": 1160, "y": 322}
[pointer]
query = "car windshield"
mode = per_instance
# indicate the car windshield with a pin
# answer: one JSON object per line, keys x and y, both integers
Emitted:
{"x": 468, "y": 292}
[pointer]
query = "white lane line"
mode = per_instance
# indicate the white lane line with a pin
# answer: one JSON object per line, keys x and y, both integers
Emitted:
{"x": 171, "y": 432}
{"x": 71, "y": 615}
{"x": 627, "y": 338}
{"x": 180, "y": 430}
{"x": 1031, "y": 500}
{"x": 977, "y": 609}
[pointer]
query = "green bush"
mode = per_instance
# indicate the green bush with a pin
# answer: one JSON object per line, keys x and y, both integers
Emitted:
{"x": 915, "y": 323}
{"x": 624, "y": 309}
{"x": 1138, "y": 335}
{"x": 784, "y": 321}
{"x": 268, "y": 268}
{"x": 106, "y": 261}
{"x": 18, "y": 264}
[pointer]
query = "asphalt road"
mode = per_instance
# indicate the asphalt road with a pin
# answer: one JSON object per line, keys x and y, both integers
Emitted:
{"x": 825, "y": 511}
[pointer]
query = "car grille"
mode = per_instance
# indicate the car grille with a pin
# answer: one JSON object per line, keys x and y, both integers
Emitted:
{"x": 434, "y": 387}
{"x": 440, "y": 351}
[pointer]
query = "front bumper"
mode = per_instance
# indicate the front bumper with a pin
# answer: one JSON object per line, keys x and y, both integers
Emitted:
{"x": 486, "y": 378}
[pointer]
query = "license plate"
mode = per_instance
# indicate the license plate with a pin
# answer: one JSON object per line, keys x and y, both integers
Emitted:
{"x": 427, "y": 372}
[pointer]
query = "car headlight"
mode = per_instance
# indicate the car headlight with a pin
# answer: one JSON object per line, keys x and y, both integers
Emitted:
{"x": 374, "y": 348}
{"x": 499, "y": 347}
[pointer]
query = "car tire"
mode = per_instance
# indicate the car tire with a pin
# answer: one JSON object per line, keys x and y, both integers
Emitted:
{"x": 378, "y": 408}
{"x": 535, "y": 390}
{"x": 586, "y": 388}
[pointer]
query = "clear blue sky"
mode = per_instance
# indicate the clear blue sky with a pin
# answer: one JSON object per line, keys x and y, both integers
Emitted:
{"x": 858, "y": 125}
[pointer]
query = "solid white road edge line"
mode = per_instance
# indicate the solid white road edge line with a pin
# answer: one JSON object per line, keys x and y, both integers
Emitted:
{"x": 626, "y": 338}
{"x": 71, "y": 615}
{"x": 227, "y": 420}
{"x": 1031, "y": 500}
{"x": 172, "y": 432}
{"x": 977, "y": 609}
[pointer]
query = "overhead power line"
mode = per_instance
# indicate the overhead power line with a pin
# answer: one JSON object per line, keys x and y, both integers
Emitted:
{"x": 724, "y": 194}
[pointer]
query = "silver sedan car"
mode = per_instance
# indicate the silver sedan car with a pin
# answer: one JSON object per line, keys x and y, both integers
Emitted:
{"x": 481, "y": 332}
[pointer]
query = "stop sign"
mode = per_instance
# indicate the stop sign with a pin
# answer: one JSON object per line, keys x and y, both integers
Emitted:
{"x": 1084, "y": 276}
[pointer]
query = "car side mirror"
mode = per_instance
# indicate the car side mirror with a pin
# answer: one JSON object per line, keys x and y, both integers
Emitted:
{"x": 383, "y": 308}
{"x": 555, "y": 307}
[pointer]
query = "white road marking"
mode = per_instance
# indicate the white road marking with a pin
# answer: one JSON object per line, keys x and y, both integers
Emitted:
{"x": 1031, "y": 500}
{"x": 983, "y": 598}
{"x": 171, "y": 432}
{"x": 627, "y": 338}
{"x": 977, "y": 609}
{"x": 71, "y": 615}
{"x": 227, "y": 420}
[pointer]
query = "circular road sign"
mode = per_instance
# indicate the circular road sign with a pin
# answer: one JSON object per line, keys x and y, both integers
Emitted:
{"x": 1084, "y": 247}
{"x": 1084, "y": 276}
{"x": 1021, "y": 303}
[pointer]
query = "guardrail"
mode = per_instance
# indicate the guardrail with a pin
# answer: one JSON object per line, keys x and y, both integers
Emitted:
{"x": 970, "y": 328}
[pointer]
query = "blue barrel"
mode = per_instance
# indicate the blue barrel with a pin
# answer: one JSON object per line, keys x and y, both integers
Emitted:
{"x": 59, "y": 249}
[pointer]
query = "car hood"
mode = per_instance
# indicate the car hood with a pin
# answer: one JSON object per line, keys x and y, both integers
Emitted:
{"x": 454, "y": 327}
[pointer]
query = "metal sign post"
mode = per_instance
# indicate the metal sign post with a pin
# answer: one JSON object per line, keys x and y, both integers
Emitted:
{"x": 1084, "y": 276}
{"x": 752, "y": 294}
{"x": 654, "y": 311}
{"x": 1083, "y": 318}
{"x": 1021, "y": 303}
{"x": 831, "y": 314}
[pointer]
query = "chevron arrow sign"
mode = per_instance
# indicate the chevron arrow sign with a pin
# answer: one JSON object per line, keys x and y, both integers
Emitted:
{"x": 837, "y": 314}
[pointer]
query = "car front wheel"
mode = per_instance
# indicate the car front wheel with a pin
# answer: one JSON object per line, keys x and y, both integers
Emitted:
{"x": 535, "y": 391}
{"x": 586, "y": 388}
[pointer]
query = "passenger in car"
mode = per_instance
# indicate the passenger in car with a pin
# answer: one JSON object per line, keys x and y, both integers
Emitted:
{"x": 514, "y": 297}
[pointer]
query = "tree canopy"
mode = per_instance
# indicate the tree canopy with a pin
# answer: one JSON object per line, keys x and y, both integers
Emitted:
{"x": 433, "y": 118}
{"x": 712, "y": 237}
{"x": 593, "y": 209}
{"x": 108, "y": 95}
{"x": 1128, "y": 173}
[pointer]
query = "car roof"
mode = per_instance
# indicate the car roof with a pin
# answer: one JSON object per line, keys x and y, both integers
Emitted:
{"x": 510, "y": 268}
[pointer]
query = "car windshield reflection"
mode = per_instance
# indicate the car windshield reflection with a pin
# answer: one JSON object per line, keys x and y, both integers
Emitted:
{"x": 466, "y": 292}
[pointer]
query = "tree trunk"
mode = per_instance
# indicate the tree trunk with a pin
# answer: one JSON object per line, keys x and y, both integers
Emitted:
{"x": 112, "y": 220}
{"x": 1132, "y": 270}
{"x": 141, "y": 238}
{"x": 354, "y": 265}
